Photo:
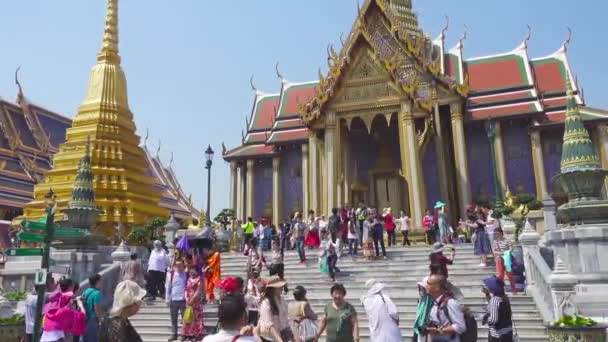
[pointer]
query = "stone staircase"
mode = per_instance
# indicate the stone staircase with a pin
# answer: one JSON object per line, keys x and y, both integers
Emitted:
{"x": 404, "y": 267}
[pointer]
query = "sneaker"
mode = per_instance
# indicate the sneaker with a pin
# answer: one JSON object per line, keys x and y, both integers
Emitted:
{"x": 483, "y": 265}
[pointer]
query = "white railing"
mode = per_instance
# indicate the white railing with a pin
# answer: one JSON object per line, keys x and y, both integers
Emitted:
{"x": 110, "y": 277}
{"x": 538, "y": 275}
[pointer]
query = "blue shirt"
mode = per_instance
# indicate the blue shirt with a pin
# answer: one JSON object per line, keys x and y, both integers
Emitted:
{"x": 175, "y": 292}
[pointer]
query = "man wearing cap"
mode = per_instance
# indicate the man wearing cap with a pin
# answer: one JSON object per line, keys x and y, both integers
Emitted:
{"x": 175, "y": 299}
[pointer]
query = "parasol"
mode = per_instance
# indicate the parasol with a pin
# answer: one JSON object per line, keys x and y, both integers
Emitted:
{"x": 183, "y": 244}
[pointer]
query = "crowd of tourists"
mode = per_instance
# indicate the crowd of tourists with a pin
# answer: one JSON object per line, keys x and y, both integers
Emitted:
{"x": 256, "y": 308}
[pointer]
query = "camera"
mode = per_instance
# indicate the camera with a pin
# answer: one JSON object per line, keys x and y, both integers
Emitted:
{"x": 424, "y": 330}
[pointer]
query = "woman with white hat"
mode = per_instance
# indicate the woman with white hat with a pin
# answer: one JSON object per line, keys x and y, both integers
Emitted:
{"x": 381, "y": 312}
{"x": 128, "y": 299}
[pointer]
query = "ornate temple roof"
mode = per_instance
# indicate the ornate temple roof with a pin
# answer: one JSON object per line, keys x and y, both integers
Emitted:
{"x": 23, "y": 162}
{"x": 503, "y": 85}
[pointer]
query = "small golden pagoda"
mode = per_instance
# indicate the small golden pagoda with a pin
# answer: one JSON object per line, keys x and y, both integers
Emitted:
{"x": 122, "y": 188}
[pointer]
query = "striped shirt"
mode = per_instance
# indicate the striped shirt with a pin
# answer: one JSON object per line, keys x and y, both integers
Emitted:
{"x": 499, "y": 319}
{"x": 502, "y": 245}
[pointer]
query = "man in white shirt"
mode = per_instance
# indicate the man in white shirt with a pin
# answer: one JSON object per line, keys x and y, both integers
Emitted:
{"x": 175, "y": 290}
{"x": 232, "y": 316}
{"x": 157, "y": 271}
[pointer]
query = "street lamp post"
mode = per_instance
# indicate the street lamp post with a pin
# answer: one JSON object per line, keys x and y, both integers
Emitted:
{"x": 209, "y": 162}
{"x": 490, "y": 127}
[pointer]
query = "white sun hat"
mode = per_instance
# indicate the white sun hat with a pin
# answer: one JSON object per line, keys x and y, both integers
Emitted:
{"x": 127, "y": 293}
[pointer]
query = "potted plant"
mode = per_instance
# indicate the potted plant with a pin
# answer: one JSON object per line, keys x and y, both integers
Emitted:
{"x": 517, "y": 209}
{"x": 12, "y": 325}
{"x": 571, "y": 328}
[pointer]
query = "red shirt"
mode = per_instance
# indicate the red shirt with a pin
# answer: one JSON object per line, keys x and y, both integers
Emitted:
{"x": 389, "y": 222}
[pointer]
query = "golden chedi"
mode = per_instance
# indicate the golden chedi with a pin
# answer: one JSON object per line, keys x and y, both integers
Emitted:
{"x": 123, "y": 190}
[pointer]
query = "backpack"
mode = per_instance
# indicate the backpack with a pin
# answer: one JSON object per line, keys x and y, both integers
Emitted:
{"x": 470, "y": 334}
{"x": 334, "y": 223}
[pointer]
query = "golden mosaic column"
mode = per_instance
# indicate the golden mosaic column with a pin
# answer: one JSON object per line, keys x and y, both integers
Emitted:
{"x": 501, "y": 169}
{"x": 409, "y": 143}
{"x": 330, "y": 160}
{"x": 276, "y": 191}
{"x": 460, "y": 156}
{"x": 539, "y": 164}
{"x": 250, "y": 192}
{"x": 305, "y": 181}
{"x": 442, "y": 167}
{"x": 601, "y": 131}
{"x": 233, "y": 185}
{"x": 240, "y": 192}
{"x": 314, "y": 172}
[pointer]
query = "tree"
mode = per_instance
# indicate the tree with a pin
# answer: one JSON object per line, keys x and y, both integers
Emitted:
{"x": 146, "y": 234}
{"x": 225, "y": 217}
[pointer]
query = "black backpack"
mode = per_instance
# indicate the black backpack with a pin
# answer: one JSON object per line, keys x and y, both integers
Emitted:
{"x": 334, "y": 223}
{"x": 470, "y": 334}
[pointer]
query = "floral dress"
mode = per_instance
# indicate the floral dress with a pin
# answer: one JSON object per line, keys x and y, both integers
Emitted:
{"x": 194, "y": 290}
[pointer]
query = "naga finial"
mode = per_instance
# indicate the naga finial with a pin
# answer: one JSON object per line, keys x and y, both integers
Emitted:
{"x": 242, "y": 137}
{"x": 224, "y": 149}
{"x": 568, "y": 39}
{"x": 20, "y": 94}
{"x": 146, "y": 137}
{"x": 246, "y": 122}
{"x": 342, "y": 39}
{"x": 252, "y": 85}
{"x": 465, "y": 34}
{"x": 445, "y": 28}
{"x": 528, "y": 36}
{"x": 279, "y": 75}
{"x": 171, "y": 160}
{"x": 159, "y": 145}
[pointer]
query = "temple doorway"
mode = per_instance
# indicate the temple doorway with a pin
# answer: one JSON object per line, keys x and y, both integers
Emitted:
{"x": 375, "y": 151}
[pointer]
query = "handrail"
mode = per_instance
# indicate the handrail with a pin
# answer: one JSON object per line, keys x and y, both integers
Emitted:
{"x": 539, "y": 283}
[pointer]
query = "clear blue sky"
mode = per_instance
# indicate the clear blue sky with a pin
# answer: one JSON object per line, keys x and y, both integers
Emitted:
{"x": 188, "y": 62}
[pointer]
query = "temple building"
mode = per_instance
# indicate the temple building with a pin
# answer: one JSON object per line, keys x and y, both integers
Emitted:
{"x": 41, "y": 150}
{"x": 400, "y": 121}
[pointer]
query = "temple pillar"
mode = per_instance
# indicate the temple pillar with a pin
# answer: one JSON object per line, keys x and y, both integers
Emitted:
{"x": 240, "y": 192}
{"x": 305, "y": 180}
{"x": 460, "y": 156}
{"x": 346, "y": 168}
{"x": 250, "y": 192}
{"x": 601, "y": 132}
{"x": 233, "y": 186}
{"x": 314, "y": 172}
{"x": 442, "y": 159}
{"x": 499, "y": 154}
{"x": 330, "y": 161}
{"x": 276, "y": 191}
{"x": 339, "y": 169}
{"x": 539, "y": 164}
{"x": 413, "y": 166}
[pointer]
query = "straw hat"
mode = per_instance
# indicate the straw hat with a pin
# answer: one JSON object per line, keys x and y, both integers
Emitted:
{"x": 127, "y": 293}
{"x": 275, "y": 282}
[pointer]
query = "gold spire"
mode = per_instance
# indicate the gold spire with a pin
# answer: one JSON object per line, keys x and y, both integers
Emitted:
{"x": 109, "y": 46}
{"x": 123, "y": 190}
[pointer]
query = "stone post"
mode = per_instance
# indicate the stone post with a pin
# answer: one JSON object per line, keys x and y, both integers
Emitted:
{"x": 529, "y": 241}
{"x": 562, "y": 290}
{"x": 539, "y": 164}
{"x": 122, "y": 253}
{"x": 171, "y": 229}
{"x": 549, "y": 210}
